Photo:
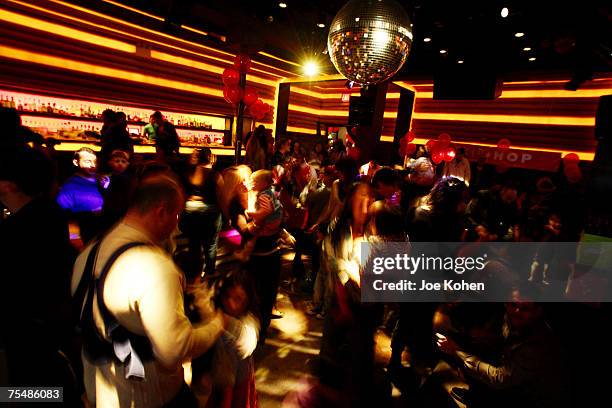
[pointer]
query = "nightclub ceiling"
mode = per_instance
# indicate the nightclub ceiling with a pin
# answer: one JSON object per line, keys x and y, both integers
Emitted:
{"x": 504, "y": 36}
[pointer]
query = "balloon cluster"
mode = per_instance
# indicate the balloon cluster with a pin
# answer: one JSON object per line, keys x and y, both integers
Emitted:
{"x": 441, "y": 150}
{"x": 570, "y": 168}
{"x": 233, "y": 93}
{"x": 407, "y": 148}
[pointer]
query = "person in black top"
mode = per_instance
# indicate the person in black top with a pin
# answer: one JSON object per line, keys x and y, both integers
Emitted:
{"x": 440, "y": 217}
{"x": 167, "y": 142}
{"x": 37, "y": 260}
{"x": 201, "y": 220}
{"x": 281, "y": 155}
{"x": 493, "y": 215}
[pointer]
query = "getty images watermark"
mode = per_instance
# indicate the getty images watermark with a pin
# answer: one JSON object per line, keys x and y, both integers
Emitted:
{"x": 441, "y": 272}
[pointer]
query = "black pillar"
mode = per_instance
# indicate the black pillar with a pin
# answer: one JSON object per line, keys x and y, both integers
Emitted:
{"x": 239, "y": 122}
{"x": 402, "y": 123}
{"x": 282, "y": 110}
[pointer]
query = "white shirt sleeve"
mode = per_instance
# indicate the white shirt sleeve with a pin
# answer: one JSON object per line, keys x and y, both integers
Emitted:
{"x": 162, "y": 313}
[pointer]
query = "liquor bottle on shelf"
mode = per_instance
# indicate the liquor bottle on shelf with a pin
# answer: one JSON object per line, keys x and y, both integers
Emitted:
{"x": 19, "y": 105}
{"x": 49, "y": 108}
{"x": 12, "y": 103}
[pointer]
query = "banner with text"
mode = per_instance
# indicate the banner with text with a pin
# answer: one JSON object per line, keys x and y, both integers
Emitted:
{"x": 526, "y": 159}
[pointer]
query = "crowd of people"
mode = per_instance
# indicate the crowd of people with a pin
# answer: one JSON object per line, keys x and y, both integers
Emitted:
{"x": 98, "y": 295}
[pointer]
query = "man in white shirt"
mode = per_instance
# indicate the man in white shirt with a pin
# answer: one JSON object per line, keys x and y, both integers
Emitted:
{"x": 143, "y": 291}
{"x": 459, "y": 167}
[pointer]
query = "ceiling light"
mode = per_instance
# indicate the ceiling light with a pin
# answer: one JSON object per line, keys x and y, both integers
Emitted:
{"x": 443, "y": 51}
{"x": 459, "y": 61}
{"x": 311, "y": 68}
{"x": 321, "y": 25}
{"x": 282, "y": 5}
{"x": 356, "y": 19}
{"x": 426, "y": 39}
{"x": 527, "y": 49}
{"x": 505, "y": 12}
{"x": 532, "y": 59}
{"x": 519, "y": 35}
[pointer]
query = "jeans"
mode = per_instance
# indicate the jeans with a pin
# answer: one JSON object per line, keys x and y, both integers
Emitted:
{"x": 202, "y": 224}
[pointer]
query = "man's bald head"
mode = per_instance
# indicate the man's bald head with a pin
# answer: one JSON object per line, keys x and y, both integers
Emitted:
{"x": 155, "y": 190}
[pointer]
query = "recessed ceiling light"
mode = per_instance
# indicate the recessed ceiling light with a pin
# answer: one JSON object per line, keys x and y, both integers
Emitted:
{"x": 505, "y": 12}
{"x": 321, "y": 25}
{"x": 443, "y": 51}
{"x": 532, "y": 59}
{"x": 519, "y": 35}
{"x": 282, "y": 5}
{"x": 426, "y": 39}
{"x": 527, "y": 49}
{"x": 459, "y": 61}
{"x": 356, "y": 19}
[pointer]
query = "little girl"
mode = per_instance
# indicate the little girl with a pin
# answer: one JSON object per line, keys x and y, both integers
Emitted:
{"x": 264, "y": 220}
{"x": 224, "y": 377}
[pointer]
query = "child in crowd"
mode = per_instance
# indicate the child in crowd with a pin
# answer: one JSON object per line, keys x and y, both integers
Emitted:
{"x": 265, "y": 220}
{"x": 225, "y": 376}
{"x": 119, "y": 162}
{"x": 117, "y": 187}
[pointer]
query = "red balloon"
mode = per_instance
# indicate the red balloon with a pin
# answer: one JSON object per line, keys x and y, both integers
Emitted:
{"x": 254, "y": 106}
{"x": 403, "y": 141}
{"x": 242, "y": 63}
{"x": 431, "y": 145}
{"x": 266, "y": 108}
{"x": 444, "y": 139}
{"x": 410, "y": 136}
{"x": 503, "y": 144}
{"x": 231, "y": 76}
{"x": 250, "y": 96}
{"x": 571, "y": 158}
{"x": 438, "y": 156}
{"x": 572, "y": 173}
{"x": 449, "y": 154}
{"x": 410, "y": 149}
{"x": 232, "y": 94}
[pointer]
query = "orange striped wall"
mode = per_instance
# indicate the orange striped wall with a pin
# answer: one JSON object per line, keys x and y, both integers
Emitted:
{"x": 531, "y": 114}
{"x": 59, "y": 49}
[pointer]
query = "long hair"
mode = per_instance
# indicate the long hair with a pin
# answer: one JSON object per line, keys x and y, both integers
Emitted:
{"x": 232, "y": 177}
{"x": 341, "y": 225}
{"x": 385, "y": 222}
{"x": 446, "y": 195}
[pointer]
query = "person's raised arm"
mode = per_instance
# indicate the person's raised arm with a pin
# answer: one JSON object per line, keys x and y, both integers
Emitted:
{"x": 161, "y": 307}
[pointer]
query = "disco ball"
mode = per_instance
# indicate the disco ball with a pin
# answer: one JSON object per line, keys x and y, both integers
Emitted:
{"x": 369, "y": 40}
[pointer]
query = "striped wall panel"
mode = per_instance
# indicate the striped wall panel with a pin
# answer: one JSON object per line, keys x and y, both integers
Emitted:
{"x": 532, "y": 114}
{"x": 70, "y": 53}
